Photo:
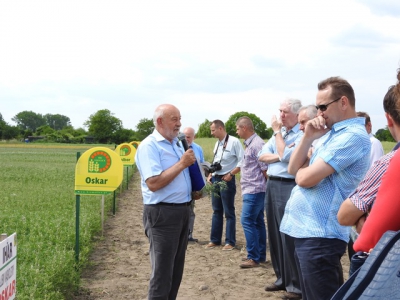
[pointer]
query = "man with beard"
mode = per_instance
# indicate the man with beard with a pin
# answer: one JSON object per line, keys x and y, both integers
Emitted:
{"x": 166, "y": 190}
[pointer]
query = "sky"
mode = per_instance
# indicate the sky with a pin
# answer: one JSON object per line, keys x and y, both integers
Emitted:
{"x": 210, "y": 59}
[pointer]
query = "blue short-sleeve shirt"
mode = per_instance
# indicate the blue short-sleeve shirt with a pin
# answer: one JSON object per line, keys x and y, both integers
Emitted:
{"x": 312, "y": 212}
{"x": 154, "y": 155}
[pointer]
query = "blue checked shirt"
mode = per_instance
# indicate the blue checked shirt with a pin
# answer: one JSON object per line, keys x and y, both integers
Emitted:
{"x": 311, "y": 212}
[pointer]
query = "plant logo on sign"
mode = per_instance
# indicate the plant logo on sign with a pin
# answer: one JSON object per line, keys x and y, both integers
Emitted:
{"x": 99, "y": 162}
{"x": 125, "y": 150}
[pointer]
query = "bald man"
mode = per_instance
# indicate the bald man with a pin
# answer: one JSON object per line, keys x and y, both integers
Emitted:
{"x": 198, "y": 152}
{"x": 166, "y": 191}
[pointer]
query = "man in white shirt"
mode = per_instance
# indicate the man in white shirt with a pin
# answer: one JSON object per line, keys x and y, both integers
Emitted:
{"x": 376, "y": 146}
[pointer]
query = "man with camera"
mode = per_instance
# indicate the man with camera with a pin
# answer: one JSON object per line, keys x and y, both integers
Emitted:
{"x": 277, "y": 153}
{"x": 228, "y": 156}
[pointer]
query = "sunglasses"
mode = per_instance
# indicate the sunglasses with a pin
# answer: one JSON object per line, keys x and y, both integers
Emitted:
{"x": 324, "y": 107}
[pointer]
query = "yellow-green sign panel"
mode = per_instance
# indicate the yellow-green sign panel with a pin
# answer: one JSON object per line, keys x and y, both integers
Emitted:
{"x": 135, "y": 144}
{"x": 127, "y": 153}
{"x": 98, "y": 171}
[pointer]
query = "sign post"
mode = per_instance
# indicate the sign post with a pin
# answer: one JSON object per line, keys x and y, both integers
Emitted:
{"x": 8, "y": 267}
{"x": 98, "y": 171}
{"x": 127, "y": 153}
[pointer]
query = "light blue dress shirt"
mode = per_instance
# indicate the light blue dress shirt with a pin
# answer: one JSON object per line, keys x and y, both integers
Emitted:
{"x": 232, "y": 156}
{"x": 198, "y": 152}
{"x": 312, "y": 212}
{"x": 154, "y": 155}
{"x": 292, "y": 138}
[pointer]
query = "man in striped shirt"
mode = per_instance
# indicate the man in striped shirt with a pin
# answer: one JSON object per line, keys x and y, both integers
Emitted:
{"x": 354, "y": 209}
{"x": 253, "y": 183}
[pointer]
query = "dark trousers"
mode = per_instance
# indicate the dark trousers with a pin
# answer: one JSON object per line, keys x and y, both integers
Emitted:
{"x": 318, "y": 260}
{"x": 281, "y": 246}
{"x": 191, "y": 220}
{"x": 167, "y": 228}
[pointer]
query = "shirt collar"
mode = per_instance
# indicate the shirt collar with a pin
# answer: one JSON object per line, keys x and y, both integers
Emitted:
{"x": 295, "y": 128}
{"x": 249, "y": 140}
{"x": 343, "y": 124}
{"x": 160, "y": 138}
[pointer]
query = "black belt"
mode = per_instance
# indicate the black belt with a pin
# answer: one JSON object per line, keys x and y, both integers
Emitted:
{"x": 277, "y": 178}
{"x": 174, "y": 204}
{"x": 220, "y": 176}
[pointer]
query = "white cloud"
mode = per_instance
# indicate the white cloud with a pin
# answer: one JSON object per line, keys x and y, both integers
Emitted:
{"x": 210, "y": 58}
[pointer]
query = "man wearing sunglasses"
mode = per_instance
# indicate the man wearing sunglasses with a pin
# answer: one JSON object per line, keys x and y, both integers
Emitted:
{"x": 323, "y": 182}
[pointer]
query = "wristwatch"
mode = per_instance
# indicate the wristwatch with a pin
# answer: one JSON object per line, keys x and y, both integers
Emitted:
{"x": 276, "y": 132}
{"x": 231, "y": 174}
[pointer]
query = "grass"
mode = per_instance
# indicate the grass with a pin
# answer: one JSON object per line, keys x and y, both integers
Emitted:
{"x": 37, "y": 202}
{"x": 388, "y": 146}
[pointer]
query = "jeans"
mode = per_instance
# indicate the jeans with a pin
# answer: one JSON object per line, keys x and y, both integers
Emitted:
{"x": 254, "y": 226}
{"x": 223, "y": 202}
{"x": 319, "y": 263}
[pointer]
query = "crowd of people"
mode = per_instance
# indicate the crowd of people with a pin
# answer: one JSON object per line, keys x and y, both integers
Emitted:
{"x": 321, "y": 180}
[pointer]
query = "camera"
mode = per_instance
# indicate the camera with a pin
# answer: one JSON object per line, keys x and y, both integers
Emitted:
{"x": 214, "y": 167}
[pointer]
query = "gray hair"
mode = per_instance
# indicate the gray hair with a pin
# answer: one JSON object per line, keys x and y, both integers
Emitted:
{"x": 294, "y": 104}
{"x": 311, "y": 111}
{"x": 158, "y": 113}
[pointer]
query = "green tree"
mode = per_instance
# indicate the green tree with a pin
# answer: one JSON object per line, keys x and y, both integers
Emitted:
{"x": 29, "y": 120}
{"x": 384, "y": 135}
{"x": 144, "y": 128}
{"x": 44, "y": 130}
{"x": 57, "y": 121}
{"x": 102, "y": 125}
{"x": 123, "y": 136}
{"x": 9, "y": 132}
{"x": 259, "y": 126}
{"x": 3, "y": 124}
{"x": 204, "y": 130}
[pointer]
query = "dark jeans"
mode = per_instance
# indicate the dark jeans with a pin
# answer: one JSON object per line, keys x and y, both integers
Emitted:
{"x": 223, "y": 202}
{"x": 167, "y": 228}
{"x": 254, "y": 226}
{"x": 319, "y": 263}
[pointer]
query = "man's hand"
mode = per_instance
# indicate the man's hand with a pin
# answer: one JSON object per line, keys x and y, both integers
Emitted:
{"x": 197, "y": 195}
{"x": 360, "y": 223}
{"x": 188, "y": 158}
{"x": 315, "y": 128}
{"x": 276, "y": 125}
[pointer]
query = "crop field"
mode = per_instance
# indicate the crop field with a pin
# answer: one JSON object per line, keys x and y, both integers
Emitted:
{"x": 37, "y": 202}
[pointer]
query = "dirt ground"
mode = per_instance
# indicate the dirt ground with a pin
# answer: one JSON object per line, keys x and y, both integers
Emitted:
{"x": 120, "y": 267}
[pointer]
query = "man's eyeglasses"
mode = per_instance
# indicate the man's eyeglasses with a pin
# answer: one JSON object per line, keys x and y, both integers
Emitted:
{"x": 324, "y": 107}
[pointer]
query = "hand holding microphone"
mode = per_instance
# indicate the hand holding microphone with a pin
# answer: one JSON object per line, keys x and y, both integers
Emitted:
{"x": 188, "y": 158}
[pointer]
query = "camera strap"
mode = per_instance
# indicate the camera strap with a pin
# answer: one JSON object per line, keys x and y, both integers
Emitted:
{"x": 223, "y": 148}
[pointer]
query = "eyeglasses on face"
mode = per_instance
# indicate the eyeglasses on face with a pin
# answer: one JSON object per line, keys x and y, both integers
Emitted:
{"x": 324, "y": 107}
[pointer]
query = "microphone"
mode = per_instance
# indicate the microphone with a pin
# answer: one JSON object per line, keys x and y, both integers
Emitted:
{"x": 182, "y": 139}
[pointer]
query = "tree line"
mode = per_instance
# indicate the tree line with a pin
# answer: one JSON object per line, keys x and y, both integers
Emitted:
{"x": 103, "y": 127}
